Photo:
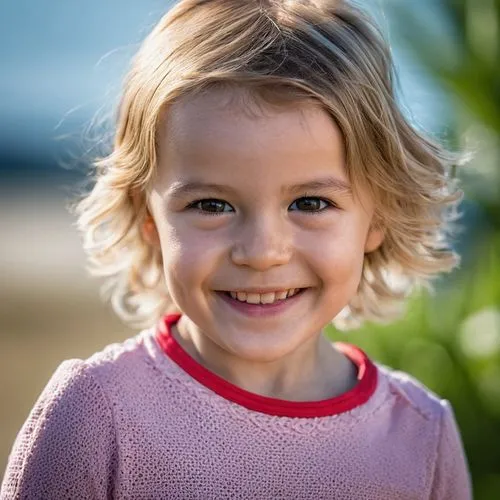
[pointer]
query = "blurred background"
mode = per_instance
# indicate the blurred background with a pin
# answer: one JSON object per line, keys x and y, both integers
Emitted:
{"x": 62, "y": 64}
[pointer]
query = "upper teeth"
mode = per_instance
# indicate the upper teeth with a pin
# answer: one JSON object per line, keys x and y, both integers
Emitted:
{"x": 263, "y": 298}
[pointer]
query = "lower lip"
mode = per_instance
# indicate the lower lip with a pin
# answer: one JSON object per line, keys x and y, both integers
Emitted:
{"x": 261, "y": 310}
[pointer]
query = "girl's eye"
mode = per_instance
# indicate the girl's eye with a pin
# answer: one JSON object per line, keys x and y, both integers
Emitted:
{"x": 211, "y": 206}
{"x": 310, "y": 204}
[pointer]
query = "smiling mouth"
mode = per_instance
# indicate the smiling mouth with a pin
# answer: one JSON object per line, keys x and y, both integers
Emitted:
{"x": 264, "y": 298}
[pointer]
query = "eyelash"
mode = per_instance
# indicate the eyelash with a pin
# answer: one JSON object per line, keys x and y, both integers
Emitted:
{"x": 195, "y": 205}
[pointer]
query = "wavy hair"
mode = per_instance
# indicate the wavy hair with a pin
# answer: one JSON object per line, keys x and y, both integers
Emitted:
{"x": 282, "y": 51}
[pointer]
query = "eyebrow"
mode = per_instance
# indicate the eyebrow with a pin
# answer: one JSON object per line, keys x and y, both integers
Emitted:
{"x": 327, "y": 183}
{"x": 181, "y": 189}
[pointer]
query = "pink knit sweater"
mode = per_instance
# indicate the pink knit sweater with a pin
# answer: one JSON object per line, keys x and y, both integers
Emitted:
{"x": 142, "y": 420}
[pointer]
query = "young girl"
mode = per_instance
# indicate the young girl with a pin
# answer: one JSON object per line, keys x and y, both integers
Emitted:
{"x": 262, "y": 183}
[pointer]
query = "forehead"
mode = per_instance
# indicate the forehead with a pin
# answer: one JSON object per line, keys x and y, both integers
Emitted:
{"x": 238, "y": 124}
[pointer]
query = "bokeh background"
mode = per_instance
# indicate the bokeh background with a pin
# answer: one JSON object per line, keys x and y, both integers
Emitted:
{"x": 61, "y": 67}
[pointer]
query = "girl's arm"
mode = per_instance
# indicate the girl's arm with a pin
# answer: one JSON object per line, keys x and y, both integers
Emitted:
{"x": 66, "y": 448}
{"x": 451, "y": 475}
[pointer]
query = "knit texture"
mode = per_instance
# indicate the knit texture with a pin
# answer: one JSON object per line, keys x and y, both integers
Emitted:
{"x": 130, "y": 423}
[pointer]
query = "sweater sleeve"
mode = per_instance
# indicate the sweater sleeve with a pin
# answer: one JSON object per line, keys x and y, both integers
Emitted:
{"x": 66, "y": 448}
{"x": 451, "y": 474}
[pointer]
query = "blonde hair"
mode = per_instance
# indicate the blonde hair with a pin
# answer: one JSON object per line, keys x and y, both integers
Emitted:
{"x": 282, "y": 51}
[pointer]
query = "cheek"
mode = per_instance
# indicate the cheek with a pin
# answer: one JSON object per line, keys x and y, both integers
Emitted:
{"x": 188, "y": 256}
{"x": 338, "y": 255}
{"x": 340, "y": 265}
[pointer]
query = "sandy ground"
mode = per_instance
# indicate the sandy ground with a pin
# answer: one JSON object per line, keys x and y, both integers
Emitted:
{"x": 50, "y": 308}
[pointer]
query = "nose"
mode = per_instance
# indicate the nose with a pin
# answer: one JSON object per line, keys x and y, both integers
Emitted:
{"x": 262, "y": 243}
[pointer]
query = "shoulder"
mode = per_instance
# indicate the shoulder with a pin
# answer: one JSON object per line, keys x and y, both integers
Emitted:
{"x": 431, "y": 424}
{"x": 121, "y": 363}
{"x": 419, "y": 415}
{"x": 80, "y": 384}
{"x": 121, "y": 358}
{"x": 133, "y": 373}
{"x": 411, "y": 393}
{"x": 68, "y": 443}
{"x": 424, "y": 423}
{"x": 76, "y": 373}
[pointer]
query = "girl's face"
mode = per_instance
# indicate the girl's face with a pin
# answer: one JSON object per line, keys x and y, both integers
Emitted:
{"x": 249, "y": 209}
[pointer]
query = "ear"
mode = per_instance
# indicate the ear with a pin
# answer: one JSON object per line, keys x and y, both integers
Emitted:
{"x": 374, "y": 238}
{"x": 149, "y": 231}
{"x": 147, "y": 227}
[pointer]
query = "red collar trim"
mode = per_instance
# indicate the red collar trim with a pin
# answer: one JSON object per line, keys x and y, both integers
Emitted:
{"x": 367, "y": 376}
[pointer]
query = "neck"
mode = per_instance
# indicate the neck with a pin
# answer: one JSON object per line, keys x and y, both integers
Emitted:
{"x": 314, "y": 372}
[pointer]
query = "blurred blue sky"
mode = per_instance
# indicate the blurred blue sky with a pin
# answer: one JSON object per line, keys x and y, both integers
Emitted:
{"x": 62, "y": 64}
